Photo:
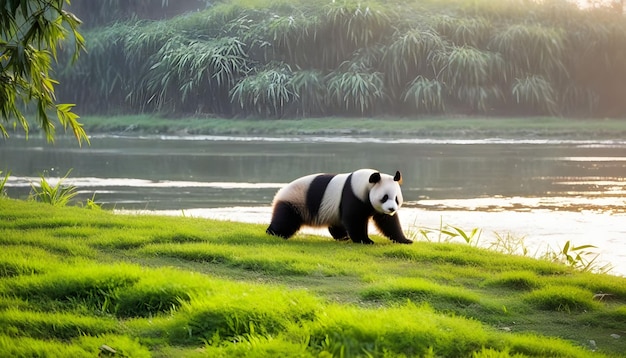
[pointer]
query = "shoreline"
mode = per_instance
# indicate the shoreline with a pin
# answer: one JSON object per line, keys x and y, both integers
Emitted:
{"x": 436, "y": 128}
{"x": 428, "y": 127}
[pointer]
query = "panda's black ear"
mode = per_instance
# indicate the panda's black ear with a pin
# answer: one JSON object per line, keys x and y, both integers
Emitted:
{"x": 375, "y": 178}
{"x": 398, "y": 177}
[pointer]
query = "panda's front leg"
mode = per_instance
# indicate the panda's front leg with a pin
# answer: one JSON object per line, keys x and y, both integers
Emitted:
{"x": 390, "y": 227}
{"x": 357, "y": 230}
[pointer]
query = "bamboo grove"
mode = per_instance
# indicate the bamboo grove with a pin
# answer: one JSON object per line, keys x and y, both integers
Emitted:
{"x": 287, "y": 59}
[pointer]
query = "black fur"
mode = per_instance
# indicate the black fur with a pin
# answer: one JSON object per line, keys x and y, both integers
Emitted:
{"x": 355, "y": 214}
{"x": 316, "y": 191}
{"x": 390, "y": 227}
{"x": 285, "y": 221}
{"x": 374, "y": 178}
{"x": 338, "y": 232}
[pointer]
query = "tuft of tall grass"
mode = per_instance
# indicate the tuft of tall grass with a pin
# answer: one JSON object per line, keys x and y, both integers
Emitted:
{"x": 57, "y": 195}
{"x": 3, "y": 182}
{"x": 448, "y": 233}
{"x": 509, "y": 244}
{"x": 577, "y": 258}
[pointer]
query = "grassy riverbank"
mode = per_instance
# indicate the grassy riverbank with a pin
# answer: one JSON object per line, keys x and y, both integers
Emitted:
{"x": 75, "y": 279}
{"x": 455, "y": 127}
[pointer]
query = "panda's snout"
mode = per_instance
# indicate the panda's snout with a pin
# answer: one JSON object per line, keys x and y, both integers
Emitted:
{"x": 391, "y": 210}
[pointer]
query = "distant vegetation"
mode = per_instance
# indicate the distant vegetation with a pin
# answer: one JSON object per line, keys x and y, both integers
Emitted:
{"x": 276, "y": 59}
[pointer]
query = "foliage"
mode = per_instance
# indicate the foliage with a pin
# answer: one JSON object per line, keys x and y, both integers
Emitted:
{"x": 357, "y": 58}
{"x": 410, "y": 54}
{"x": 30, "y": 33}
{"x": 266, "y": 93}
{"x": 310, "y": 92}
{"x": 426, "y": 96}
{"x": 534, "y": 93}
{"x": 355, "y": 89}
{"x": 73, "y": 280}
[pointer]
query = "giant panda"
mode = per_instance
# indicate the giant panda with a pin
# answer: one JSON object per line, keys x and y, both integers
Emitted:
{"x": 342, "y": 202}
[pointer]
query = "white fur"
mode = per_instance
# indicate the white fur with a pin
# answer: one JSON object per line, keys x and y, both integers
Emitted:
{"x": 329, "y": 207}
{"x": 295, "y": 193}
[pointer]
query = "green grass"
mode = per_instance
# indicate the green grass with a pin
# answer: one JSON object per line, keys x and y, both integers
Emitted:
{"x": 75, "y": 281}
{"x": 446, "y": 127}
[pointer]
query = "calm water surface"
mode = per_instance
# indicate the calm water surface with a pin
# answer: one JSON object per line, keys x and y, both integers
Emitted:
{"x": 547, "y": 191}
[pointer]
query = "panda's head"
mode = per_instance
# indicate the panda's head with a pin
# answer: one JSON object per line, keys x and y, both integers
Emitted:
{"x": 385, "y": 194}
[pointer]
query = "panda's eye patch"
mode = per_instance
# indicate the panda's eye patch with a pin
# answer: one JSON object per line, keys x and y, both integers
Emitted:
{"x": 385, "y": 198}
{"x": 397, "y": 202}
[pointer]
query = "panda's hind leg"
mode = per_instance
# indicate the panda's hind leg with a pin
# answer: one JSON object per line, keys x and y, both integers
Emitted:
{"x": 286, "y": 221}
{"x": 338, "y": 232}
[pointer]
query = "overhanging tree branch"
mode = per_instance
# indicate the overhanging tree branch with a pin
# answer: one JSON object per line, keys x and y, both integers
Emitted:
{"x": 31, "y": 31}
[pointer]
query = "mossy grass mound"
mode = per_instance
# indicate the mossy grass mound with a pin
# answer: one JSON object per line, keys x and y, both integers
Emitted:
{"x": 75, "y": 282}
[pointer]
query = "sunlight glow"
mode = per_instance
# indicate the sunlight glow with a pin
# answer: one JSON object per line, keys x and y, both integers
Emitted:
{"x": 588, "y": 4}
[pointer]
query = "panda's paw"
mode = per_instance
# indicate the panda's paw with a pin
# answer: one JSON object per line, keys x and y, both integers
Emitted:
{"x": 367, "y": 241}
{"x": 403, "y": 240}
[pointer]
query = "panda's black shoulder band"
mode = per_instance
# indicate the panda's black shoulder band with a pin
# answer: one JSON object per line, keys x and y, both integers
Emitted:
{"x": 316, "y": 191}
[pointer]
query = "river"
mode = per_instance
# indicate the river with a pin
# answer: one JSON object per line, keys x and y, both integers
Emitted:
{"x": 546, "y": 191}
